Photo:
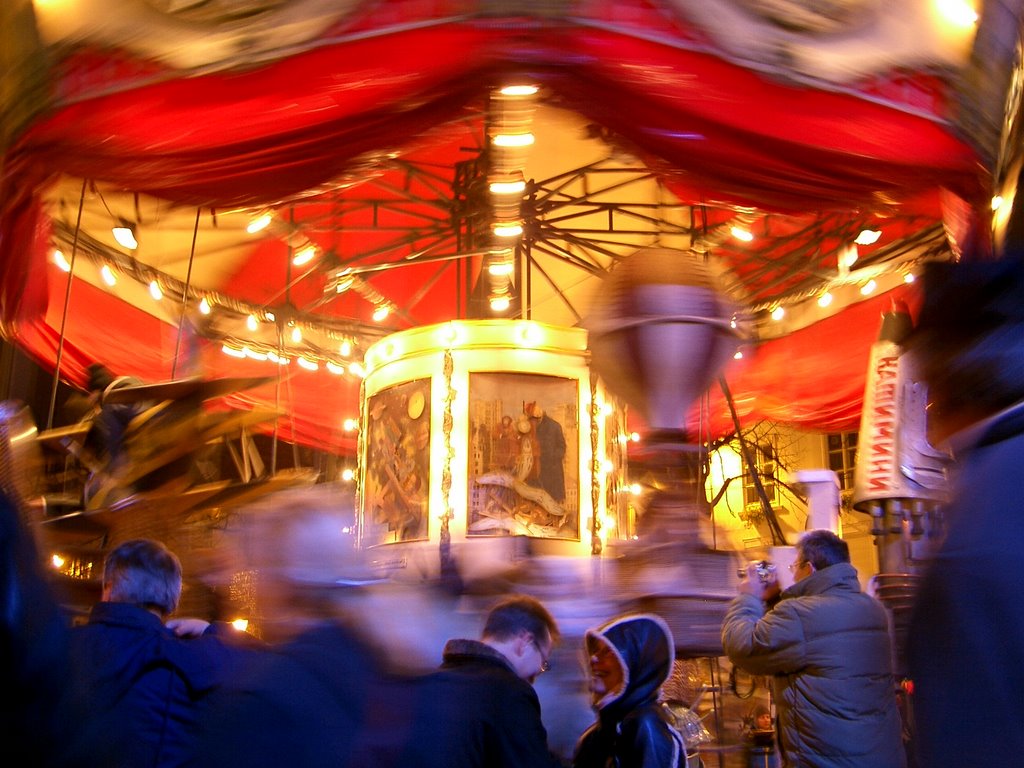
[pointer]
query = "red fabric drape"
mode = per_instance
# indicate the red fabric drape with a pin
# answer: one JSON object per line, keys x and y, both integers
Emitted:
{"x": 249, "y": 138}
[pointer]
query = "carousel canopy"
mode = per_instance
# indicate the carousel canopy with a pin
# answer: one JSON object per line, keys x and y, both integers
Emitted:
{"x": 302, "y": 178}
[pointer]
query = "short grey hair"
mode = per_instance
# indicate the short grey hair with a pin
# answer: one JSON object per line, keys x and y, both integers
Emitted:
{"x": 143, "y": 572}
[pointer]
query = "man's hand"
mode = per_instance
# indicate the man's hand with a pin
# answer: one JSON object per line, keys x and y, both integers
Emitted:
{"x": 185, "y": 627}
{"x": 762, "y": 590}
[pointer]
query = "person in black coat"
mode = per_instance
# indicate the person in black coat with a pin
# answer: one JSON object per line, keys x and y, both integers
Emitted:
{"x": 321, "y": 695}
{"x": 480, "y": 709}
{"x": 965, "y": 643}
{"x": 630, "y": 659}
{"x": 38, "y": 718}
{"x": 144, "y": 684}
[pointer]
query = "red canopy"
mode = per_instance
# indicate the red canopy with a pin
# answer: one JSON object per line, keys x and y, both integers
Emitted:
{"x": 365, "y": 132}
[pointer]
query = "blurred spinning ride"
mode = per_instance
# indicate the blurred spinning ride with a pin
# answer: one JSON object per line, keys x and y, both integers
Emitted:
{"x": 660, "y": 333}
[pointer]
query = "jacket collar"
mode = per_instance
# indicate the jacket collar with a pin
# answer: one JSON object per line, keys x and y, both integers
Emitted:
{"x": 126, "y": 615}
{"x": 460, "y": 651}
{"x": 841, "y": 576}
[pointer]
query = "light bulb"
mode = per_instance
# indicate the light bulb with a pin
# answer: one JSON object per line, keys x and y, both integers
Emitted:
{"x": 868, "y": 236}
{"x": 309, "y": 365}
{"x": 519, "y": 90}
{"x": 346, "y": 348}
{"x": 304, "y": 255}
{"x": 154, "y": 290}
{"x": 501, "y": 268}
{"x": 108, "y": 275}
{"x": 958, "y": 12}
{"x": 507, "y": 187}
{"x": 252, "y": 323}
{"x": 513, "y": 140}
{"x": 825, "y": 299}
{"x": 508, "y": 230}
{"x": 500, "y": 303}
{"x": 778, "y": 313}
{"x": 204, "y": 306}
{"x": 124, "y": 234}
{"x": 60, "y": 260}
{"x": 296, "y": 335}
{"x": 259, "y": 223}
{"x": 868, "y": 287}
{"x": 741, "y": 234}
{"x": 381, "y": 312}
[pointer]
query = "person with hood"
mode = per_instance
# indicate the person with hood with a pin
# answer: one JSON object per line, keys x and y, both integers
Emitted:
{"x": 630, "y": 659}
{"x": 828, "y": 648}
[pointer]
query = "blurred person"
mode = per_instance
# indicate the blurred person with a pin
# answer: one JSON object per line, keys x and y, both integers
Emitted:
{"x": 144, "y": 684}
{"x": 38, "y": 722}
{"x": 109, "y": 420}
{"x": 966, "y": 635}
{"x": 322, "y": 696}
{"x": 481, "y": 710}
{"x": 630, "y": 659}
{"x": 760, "y": 739}
{"x": 828, "y": 648}
{"x": 761, "y": 719}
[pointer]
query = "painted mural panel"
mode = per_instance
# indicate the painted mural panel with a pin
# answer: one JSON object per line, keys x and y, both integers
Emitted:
{"x": 524, "y": 456}
{"x": 397, "y": 463}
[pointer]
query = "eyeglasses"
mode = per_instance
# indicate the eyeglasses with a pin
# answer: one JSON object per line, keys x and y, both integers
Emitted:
{"x": 545, "y": 664}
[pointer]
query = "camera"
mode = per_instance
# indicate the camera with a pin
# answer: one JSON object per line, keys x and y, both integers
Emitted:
{"x": 765, "y": 570}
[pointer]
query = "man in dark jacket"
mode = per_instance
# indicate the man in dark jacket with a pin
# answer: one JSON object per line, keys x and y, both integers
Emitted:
{"x": 630, "y": 659}
{"x": 827, "y": 645}
{"x": 481, "y": 710}
{"x": 144, "y": 684}
{"x": 966, "y": 637}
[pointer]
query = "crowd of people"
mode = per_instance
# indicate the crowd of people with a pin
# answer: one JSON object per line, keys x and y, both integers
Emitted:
{"x": 135, "y": 686}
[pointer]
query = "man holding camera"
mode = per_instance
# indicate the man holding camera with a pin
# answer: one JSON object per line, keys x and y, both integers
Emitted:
{"x": 827, "y": 646}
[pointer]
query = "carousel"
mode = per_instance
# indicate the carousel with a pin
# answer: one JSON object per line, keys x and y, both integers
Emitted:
{"x": 504, "y": 274}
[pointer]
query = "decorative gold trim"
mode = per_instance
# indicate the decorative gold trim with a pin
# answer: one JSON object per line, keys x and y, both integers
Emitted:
{"x": 595, "y": 470}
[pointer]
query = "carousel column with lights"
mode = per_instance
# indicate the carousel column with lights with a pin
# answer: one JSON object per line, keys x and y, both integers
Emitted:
{"x": 659, "y": 337}
{"x": 899, "y": 477}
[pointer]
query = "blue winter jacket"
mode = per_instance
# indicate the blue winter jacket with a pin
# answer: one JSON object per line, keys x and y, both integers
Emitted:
{"x": 144, "y": 686}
